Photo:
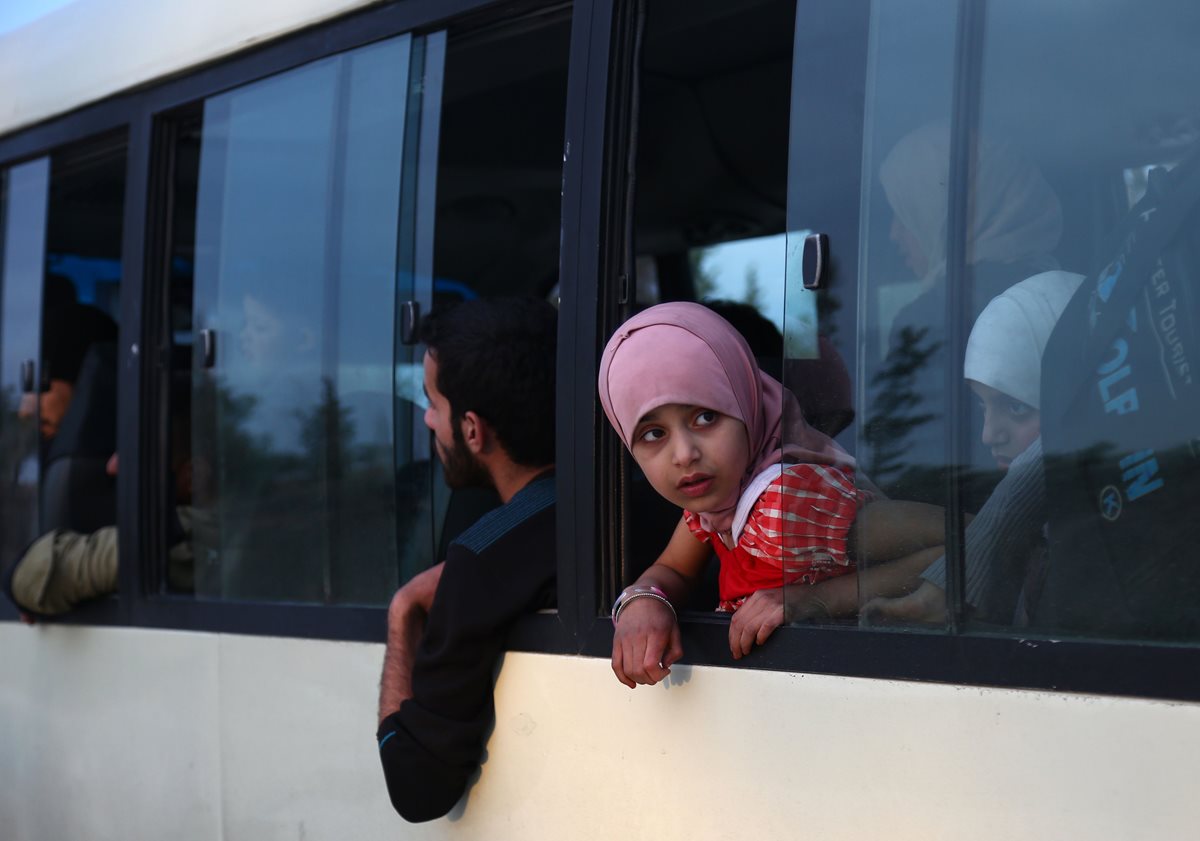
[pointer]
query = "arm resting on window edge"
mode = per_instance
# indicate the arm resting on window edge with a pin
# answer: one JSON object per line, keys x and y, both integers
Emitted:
{"x": 406, "y": 620}
{"x": 431, "y": 746}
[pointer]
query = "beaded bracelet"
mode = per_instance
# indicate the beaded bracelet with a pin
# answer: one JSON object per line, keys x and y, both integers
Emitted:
{"x": 631, "y": 593}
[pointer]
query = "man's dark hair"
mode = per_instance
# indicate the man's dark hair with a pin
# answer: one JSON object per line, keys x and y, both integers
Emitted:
{"x": 496, "y": 357}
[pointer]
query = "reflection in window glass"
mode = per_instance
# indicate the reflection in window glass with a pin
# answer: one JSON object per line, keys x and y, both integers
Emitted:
{"x": 292, "y": 490}
{"x": 306, "y": 205}
{"x": 71, "y": 404}
{"x": 23, "y": 212}
{"x": 1076, "y": 335}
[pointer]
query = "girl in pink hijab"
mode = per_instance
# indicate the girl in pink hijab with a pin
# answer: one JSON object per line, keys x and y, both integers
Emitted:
{"x": 773, "y": 497}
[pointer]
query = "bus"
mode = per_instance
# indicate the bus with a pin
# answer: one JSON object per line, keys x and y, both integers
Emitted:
{"x": 262, "y": 199}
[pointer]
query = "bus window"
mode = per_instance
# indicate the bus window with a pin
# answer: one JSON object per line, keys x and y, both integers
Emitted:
{"x": 281, "y": 308}
{"x": 1004, "y": 375}
{"x": 1083, "y": 413}
{"x": 942, "y": 198}
{"x": 499, "y": 179}
{"x": 72, "y": 401}
{"x": 313, "y": 212}
{"x": 23, "y": 212}
{"x": 711, "y": 201}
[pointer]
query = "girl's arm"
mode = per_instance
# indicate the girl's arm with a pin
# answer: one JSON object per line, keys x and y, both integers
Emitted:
{"x": 892, "y": 542}
{"x": 646, "y": 640}
{"x": 839, "y": 597}
{"x": 888, "y": 530}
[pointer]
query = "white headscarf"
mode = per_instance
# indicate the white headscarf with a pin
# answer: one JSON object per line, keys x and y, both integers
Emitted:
{"x": 1014, "y": 213}
{"x": 1007, "y": 341}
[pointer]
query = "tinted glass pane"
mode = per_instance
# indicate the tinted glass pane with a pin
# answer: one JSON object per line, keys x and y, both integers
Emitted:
{"x": 1054, "y": 276}
{"x": 1106, "y": 546}
{"x": 24, "y": 217}
{"x": 298, "y": 212}
{"x": 69, "y": 243}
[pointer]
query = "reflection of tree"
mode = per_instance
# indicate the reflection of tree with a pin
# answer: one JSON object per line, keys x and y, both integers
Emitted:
{"x": 895, "y": 408}
{"x": 327, "y": 433}
{"x": 703, "y": 282}
{"x": 221, "y": 417}
{"x": 753, "y": 294}
{"x": 315, "y": 524}
{"x": 18, "y": 443}
{"x": 10, "y": 429}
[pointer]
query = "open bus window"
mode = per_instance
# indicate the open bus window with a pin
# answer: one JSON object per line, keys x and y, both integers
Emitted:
{"x": 711, "y": 199}
{"x": 956, "y": 232}
{"x": 68, "y": 405}
{"x": 311, "y": 211}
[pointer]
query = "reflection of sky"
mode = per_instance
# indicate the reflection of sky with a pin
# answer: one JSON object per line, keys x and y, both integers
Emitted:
{"x": 728, "y": 263}
{"x": 780, "y": 298}
{"x": 16, "y": 13}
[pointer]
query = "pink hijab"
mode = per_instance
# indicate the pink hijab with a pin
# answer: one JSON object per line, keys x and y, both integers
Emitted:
{"x": 686, "y": 353}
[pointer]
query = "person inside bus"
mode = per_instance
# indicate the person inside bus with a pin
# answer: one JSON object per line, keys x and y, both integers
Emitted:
{"x": 1014, "y": 224}
{"x": 774, "y": 498}
{"x": 64, "y": 568}
{"x": 1005, "y": 544}
{"x": 821, "y": 385}
{"x": 489, "y": 373}
{"x": 69, "y": 329}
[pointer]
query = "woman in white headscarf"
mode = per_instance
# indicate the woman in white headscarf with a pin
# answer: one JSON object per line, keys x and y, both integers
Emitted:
{"x": 1014, "y": 221}
{"x": 1005, "y": 543}
{"x": 1014, "y": 217}
{"x": 1003, "y": 362}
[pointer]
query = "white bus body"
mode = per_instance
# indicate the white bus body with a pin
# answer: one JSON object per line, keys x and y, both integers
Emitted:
{"x": 118, "y": 732}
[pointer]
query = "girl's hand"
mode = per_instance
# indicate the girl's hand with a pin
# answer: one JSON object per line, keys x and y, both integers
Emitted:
{"x": 645, "y": 643}
{"x": 755, "y": 620}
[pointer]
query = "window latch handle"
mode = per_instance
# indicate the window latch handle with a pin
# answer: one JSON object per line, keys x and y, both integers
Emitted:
{"x": 410, "y": 314}
{"x": 815, "y": 261}
{"x": 208, "y": 348}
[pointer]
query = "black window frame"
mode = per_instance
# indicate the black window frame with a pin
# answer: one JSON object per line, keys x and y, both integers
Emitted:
{"x": 599, "y": 132}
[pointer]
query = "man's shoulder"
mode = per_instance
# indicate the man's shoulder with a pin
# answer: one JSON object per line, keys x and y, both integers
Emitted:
{"x": 519, "y": 513}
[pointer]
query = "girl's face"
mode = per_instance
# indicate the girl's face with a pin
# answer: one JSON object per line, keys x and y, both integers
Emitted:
{"x": 694, "y": 457}
{"x": 1009, "y": 426}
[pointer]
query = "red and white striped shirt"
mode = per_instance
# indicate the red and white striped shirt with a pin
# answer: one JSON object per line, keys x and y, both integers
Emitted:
{"x": 791, "y": 526}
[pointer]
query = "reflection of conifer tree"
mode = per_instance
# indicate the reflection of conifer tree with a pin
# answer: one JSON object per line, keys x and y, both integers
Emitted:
{"x": 753, "y": 293}
{"x": 10, "y": 430}
{"x": 18, "y": 495}
{"x": 236, "y": 458}
{"x": 703, "y": 282}
{"x": 327, "y": 433}
{"x": 238, "y": 446}
{"x": 895, "y": 408}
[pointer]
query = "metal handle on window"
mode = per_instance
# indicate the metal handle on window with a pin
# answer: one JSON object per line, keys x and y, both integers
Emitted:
{"x": 410, "y": 314}
{"x": 816, "y": 260}
{"x": 208, "y": 348}
{"x": 28, "y": 369}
